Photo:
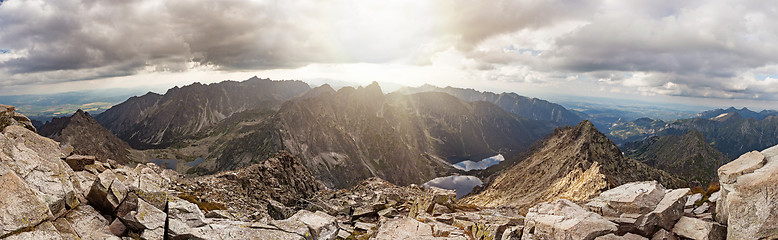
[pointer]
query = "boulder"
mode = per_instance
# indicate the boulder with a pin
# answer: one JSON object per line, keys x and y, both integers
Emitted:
{"x": 699, "y": 229}
{"x": 404, "y": 228}
{"x": 664, "y": 235}
{"x": 37, "y": 161}
{"x": 701, "y": 209}
{"x": 186, "y": 212}
{"x": 183, "y": 216}
{"x": 628, "y": 236}
{"x": 748, "y": 204}
{"x": 117, "y": 227}
{"x": 277, "y": 210}
{"x": 89, "y": 224}
{"x": 9, "y": 117}
{"x": 145, "y": 217}
{"x": 563, "y": 219}
{"x": 21, "y": 208}
{"x": 693, "y": 199}
{"x": 107, "y": 192}
{"x": 635, "y": 197}
{"x": 78, "y": 162}
{"x": 319, "y": 225}
{"x": 666, "y": 213}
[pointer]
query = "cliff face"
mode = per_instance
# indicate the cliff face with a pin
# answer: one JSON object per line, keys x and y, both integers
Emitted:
{"x": 574, "y": 163}
{"x": 86, "y": 136}
{"x": 156, "y": 121}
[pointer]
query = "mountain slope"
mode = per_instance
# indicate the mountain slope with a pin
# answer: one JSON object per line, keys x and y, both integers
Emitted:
{"x": 574, "y": 163}
{"x": 731, "y": 134}
{"x": 346, "y": 136}
{"x": 531, "y": 108}
{"x": 688, "y": 156}
{"x": 156, "y": 121}
{"x": 86, "y": 136}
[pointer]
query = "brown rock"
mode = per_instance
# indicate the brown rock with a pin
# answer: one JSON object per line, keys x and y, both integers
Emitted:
{"x": 698, "y": 229}
{"x": 78, "y": 162}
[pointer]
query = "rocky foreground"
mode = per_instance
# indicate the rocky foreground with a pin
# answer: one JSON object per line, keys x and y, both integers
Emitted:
{"x": 50, "y": 193}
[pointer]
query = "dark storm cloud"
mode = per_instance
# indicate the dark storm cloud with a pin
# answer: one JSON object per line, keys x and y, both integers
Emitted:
{"x": 126, "y": 36}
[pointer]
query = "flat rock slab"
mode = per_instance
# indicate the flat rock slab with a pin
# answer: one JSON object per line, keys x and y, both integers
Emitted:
{"x": 746, "y": 163}
{"x": 563, "y": 219}
{"x": 636, "y": 197}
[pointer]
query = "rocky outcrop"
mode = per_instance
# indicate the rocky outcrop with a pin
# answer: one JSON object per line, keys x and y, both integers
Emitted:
{"x": 748, "y": 203}
{"x": 282, "y": 179}
{"x": 87, "y": 137}
{"x": 574, "y": 163}
{"x": 9, "y": 117}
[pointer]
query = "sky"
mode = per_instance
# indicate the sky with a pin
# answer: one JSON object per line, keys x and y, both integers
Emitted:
{"x": 715, "y": 52}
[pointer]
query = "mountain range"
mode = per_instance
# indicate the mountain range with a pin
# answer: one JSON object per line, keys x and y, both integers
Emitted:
{"x": 352, "y": 134}
{"x": 531, "y": 108}
{"x": 157, "y": 121}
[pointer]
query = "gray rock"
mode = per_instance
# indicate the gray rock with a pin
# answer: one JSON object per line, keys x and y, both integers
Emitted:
{"x": 185, "y": 211}
{"x": 666, "y": 213}
{"x": 388, "y": 212}
{"x": 628, "y": 236}
{"x": 693, "y": 199}
{"x": 664, "y": 235}
{"x": 699, "y": 229}
{"x": 146, "y": 217}
{"x": 44, "y": 231}
{"x": 745, "y": 164}
{"x": 107, "y": 192}
{"x": 701, "y": 209}
{"x": 404, "y": 228}
{"x": 20, "y": 206}
{"x": 319, "y": 225}
{"x": 748, "y": 204}
{"x": 37, "y": 161}
{"x": 227, "y": 230}
{"x": 714, "y": 196}
{"x": 635, "y": 197}
{"x": 563, "y": 219}
{"x": 88, "y": 223}
{"x": 153, "y": 234}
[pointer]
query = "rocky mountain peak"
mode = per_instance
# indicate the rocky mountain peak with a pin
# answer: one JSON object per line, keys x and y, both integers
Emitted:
{"x": 574, "y": 163}
{"x": 83, "y": 133}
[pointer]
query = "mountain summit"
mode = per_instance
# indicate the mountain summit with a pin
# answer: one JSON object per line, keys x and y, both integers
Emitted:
{"x": 86, "y": 136}
{"x": 574, "y": 163}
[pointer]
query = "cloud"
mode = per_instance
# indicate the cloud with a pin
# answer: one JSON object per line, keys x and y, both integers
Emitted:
{"x": 696, "y": 48}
